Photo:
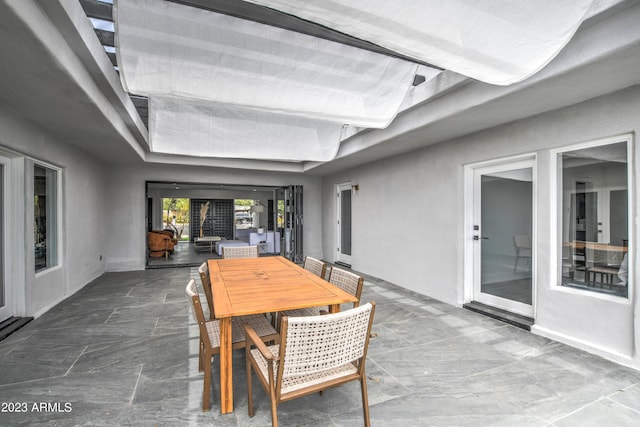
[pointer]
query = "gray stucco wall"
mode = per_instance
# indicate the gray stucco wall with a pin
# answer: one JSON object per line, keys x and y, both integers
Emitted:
{"x": 82, "y": 234}
{"x": 409, "y": 219}
{"x": 126, "y": 250}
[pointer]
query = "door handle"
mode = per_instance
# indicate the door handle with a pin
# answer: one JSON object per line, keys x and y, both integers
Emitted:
{"x": 480, "y": 238}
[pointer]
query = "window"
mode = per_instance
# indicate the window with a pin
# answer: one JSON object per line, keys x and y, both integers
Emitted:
{"x": 595, "y": 218}
{"x": 45, "y": 205}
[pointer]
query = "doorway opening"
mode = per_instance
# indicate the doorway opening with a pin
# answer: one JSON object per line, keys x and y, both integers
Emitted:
{"x": 201, "y": 218}
{"x": 175, "y": 217}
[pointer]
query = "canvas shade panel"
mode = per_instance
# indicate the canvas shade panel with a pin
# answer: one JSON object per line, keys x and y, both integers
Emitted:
{"x": 171, "y": 50}
{"x": 495, "y": 41}
{"x": 188, "y": 127}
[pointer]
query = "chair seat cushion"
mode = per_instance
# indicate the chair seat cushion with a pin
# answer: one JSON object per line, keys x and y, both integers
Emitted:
{"x": 297, "y": 382}
{"x": 258, "y": 322}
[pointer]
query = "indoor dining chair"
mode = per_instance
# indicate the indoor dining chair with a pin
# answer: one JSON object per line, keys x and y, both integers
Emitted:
{"x": 315, "y": 353}
{"x": 522, "y": 246}
{"x": 240, "y": 252}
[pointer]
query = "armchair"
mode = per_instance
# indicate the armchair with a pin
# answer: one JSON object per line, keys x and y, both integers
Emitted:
{"x": 159, "y": 244}
{"x": 315, "y": 353}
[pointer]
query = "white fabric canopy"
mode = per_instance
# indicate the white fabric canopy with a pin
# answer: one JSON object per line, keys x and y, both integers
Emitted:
{"x": 188, "y": 127}
{"x": 168, "y": 49}
{"x": 495, "y": 41}
{"x": 293, "y": 92}
{"x": 220, "y": 86}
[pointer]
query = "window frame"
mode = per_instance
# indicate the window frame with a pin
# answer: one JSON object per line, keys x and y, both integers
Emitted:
{"x": 556, "y": 218}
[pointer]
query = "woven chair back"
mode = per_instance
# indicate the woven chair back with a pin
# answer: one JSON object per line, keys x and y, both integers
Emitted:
{"x": 203, "y": 270}
{"x": 194, "y": 299}
{"x": 240, "y": 252}
{"x": 315, "y": 266}
{"x": 320, "y": 343}
{"x": 348, "y": 282}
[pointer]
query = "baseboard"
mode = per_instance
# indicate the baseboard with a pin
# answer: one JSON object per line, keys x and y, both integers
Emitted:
{"x": 606, "y": 353}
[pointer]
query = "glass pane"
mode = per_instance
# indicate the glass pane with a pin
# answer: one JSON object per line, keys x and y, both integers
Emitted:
{"x": 595, "y": 219}
{"x": 345, "y": 222}
{"x": 2, "y": 284}
{"x": 175, "y": 217}
{"x": 45, "y": 216}
{"x": 506, "y": 226}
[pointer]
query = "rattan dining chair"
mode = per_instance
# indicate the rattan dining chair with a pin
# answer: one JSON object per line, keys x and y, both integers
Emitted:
{"x": 315, "y": 266}
{"x": 210, "y": 336}
{"x": 315, "y": 353}
{"x": 345, "y": 280}
{"x": 203, "y": 271}
{"x": 240, "y": 252}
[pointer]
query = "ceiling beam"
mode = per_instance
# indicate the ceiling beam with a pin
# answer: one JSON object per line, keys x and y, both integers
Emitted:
{"x": 112, "y": 57}
{"x": 97, "y": 9}
{"x": 106, "y": 38}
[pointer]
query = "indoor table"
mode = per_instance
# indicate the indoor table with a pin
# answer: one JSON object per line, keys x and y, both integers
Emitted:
{"x": 243, "y": 286}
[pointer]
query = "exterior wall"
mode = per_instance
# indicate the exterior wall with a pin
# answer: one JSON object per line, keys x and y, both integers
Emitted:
{"x": 126, "y": 248}
{"x": 409, "y": 220}
{"x": 82, "y": 234}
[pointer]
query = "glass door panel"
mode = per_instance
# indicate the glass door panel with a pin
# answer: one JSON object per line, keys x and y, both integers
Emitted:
{"x": 6, "y": 305}
{"x": 344, "y": 223}
{"x": 503, "y": 231}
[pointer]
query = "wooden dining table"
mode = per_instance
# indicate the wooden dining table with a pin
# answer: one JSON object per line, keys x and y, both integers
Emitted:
{"x": 244, "y": 286}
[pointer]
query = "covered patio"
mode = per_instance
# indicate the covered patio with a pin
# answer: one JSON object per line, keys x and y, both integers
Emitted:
{"x": 123, "y": 351}
{"x": 105, "y": 112}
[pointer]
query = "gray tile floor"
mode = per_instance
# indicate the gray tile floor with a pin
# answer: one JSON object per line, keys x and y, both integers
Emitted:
{"x": 184, "y": 254}
{"x": 123, "y": 351}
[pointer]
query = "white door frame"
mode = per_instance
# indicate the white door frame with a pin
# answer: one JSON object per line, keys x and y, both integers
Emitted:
{"x": 341, "y": 257}
{"x": 472, "y": 215}
{"x": 8, "y": 307}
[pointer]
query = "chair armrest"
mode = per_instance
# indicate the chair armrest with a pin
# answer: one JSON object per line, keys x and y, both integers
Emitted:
{"x": 253, "y": 338}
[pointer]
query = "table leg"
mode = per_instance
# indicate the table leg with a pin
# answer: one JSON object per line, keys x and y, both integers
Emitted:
{"x": 226, "y": 368}
{"x": 335, "y": 308}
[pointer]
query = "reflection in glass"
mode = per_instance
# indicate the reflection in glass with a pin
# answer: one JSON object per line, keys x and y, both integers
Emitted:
{"x": 45, "y": 216}
{"x": 2, "y": 284}
{"x": 506, "y": 224}
{"x": 345, "y": 221}
{"x": 594, "y": 241}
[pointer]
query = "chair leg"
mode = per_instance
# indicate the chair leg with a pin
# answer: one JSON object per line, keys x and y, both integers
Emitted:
{"x": 249, "y": 389}
{"x": 206, "y": 393}
{"x": 365, "y": 399}
{"x": 274, "y": 405}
